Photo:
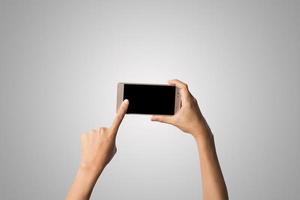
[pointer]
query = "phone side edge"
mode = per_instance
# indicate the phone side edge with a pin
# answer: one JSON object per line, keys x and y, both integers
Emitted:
{"x": 177, "y": 100}
{"x": 120, "y": 93}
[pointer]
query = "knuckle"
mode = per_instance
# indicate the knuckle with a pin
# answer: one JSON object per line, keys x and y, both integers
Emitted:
{"x": 110, "y": 138}
{"x": 185, "y": 86}
{"x": 102, "y": 129}
{"x": 94, "y": 130}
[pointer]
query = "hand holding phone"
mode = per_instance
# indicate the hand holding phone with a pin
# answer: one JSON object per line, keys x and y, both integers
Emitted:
{"x": 180, "y": 110}
{"x": 189, "y": 118}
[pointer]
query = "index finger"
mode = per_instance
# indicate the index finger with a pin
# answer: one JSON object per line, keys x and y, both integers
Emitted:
{"x": 183, "y": 89}
{"x": 119, "y": 116}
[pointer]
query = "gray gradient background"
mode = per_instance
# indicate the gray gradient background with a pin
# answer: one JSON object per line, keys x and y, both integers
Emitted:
{"x": 59, "y": 67}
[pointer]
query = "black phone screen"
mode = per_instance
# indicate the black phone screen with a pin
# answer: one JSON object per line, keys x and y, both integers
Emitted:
{"x": 150, "y": 99}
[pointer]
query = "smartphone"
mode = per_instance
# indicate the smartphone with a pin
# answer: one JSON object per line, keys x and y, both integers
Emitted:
{"x": 149, "y": 99}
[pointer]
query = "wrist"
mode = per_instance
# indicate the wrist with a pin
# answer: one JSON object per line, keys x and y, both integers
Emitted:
{"x": 201, "y": 128}
{"x": 83, "y": 184}
{"x": 200, "y": 131}
{"x": 205, "y": 141}
{"x": 202, "y": 134}
{"x": 90, "y": 171}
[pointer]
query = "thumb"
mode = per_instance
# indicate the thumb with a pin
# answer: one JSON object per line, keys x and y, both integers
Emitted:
{"x": 162, "y": 118}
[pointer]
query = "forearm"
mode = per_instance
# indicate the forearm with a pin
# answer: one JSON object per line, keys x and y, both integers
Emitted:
{"x": 83, "y": 184}
{"x": 214, "y": 186}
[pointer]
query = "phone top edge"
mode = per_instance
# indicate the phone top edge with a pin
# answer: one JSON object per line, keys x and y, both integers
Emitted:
{"x": 155, "y": 84}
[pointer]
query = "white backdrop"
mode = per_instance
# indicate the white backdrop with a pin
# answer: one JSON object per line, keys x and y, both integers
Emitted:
{"x": 60, "y": 62}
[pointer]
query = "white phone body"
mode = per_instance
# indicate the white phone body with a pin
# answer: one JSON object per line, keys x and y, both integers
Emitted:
{"x": 120, "y": 94}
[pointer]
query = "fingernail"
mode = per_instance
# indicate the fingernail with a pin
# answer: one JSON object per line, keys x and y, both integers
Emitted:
{"x": 126, "y": 101}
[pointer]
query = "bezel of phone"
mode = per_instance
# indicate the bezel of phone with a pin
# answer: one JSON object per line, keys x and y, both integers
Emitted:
{"x": 120, "y": 94}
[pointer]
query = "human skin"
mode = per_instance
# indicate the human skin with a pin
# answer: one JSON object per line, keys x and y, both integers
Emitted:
{"x": 190, "y": 120}
{"x": 98, "y": 148}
